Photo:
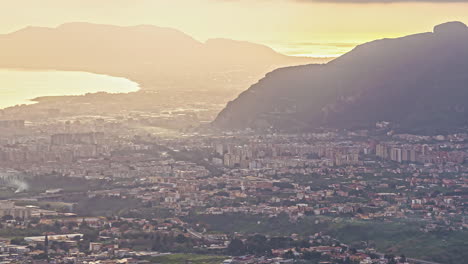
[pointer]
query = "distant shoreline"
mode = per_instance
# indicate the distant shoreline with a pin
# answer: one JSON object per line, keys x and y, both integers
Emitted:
{"x": 17, "y": 90}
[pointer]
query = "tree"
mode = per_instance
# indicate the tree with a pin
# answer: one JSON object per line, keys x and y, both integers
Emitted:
{"x": 222, "y": 193}
{"x": 257, "y": 244}
{"x": 391, "y": 259}
{"x": 304, "y": 243}
{"x": 18, "y": 241}
{"x": 180, "y": 239}
{"x": 402, "y": 258}
{"x": 288, "y": 255}
{"x": 236, "y": 247}
{"x": 34, "y": 220}
{"x": 312, "y": 255}
{"x": 71, "y": 225}
{"x": 40, "y": 256}
{"x": 83, "y": 224}
{"x": 279, "y": 242}
{"x": 7, "y": 217}
{"x": 283, "y": 185}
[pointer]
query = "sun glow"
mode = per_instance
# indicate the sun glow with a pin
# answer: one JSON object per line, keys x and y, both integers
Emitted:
{"x": 286, "y": 25}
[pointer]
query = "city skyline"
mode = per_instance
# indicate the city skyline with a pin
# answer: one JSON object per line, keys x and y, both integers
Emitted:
{"x": 234, "y": 132}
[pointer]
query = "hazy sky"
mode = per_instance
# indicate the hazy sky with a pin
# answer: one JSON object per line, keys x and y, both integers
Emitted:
{"x": 310, "y": 27}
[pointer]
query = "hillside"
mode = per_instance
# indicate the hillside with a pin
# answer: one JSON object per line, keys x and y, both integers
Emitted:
{"x": 155, "y": 57}
{"x": 418, "y": 81}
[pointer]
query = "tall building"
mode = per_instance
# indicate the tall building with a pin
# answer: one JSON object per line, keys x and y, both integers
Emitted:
{"x": 77, "y": 139}
{"x": 12, "y": 124}
{"x": 381, "y": 151}
{"x": 220, "y": 149}
{"x": 9, "y": 208}
{"x": 413, "y": 156}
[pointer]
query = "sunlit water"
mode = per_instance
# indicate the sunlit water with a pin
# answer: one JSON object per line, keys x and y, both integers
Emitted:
{"x": 19, "y": 87}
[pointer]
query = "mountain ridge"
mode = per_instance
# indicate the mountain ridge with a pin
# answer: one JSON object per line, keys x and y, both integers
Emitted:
{"x": 417, "y": 80}
{"x": 155, "y": 57}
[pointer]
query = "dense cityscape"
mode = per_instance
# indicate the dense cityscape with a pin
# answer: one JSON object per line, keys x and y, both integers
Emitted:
{"x": 234, "y": 132}
{"x": 110, "y": 190}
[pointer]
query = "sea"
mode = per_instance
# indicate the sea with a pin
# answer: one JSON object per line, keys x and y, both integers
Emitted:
{"x": 18, "y": 87}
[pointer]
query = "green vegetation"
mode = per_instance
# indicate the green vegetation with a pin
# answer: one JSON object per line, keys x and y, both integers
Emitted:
{"x": 188, "y": 258}
{"x": 148, "y": 213}
{"x": 6, "y": 193}
{"x": 394, "y": 238}
{"x": 38, "y": 230}
{"x": 67, "y": 184}
{"x": 48, "y": 205}
{"x": 106, "y": 206}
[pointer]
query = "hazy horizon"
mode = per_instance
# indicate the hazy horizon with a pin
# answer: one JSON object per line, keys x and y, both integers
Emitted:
{"x": 234, "y": 132}
{"x": 315, "y": 28}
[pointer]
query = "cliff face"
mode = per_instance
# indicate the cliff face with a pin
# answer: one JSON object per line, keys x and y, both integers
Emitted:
{"x": 418, "y": 81}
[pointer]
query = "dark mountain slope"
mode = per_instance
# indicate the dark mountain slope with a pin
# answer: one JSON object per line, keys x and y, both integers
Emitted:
{"x": 418, "y": 81}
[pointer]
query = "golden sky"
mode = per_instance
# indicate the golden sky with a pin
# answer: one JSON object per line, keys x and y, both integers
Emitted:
{"x": 295, "y": 27}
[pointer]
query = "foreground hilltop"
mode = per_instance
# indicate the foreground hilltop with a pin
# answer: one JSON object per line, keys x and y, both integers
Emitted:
{"x": 418, "y": 81}
{"x": 156, "y": 57}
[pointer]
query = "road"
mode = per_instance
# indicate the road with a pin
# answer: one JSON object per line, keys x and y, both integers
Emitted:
{"x": 417, "y": 261}
{"x": 420, "y": 261}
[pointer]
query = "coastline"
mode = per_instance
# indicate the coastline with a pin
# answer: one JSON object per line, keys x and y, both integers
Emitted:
{"x": 26, "y": 90}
